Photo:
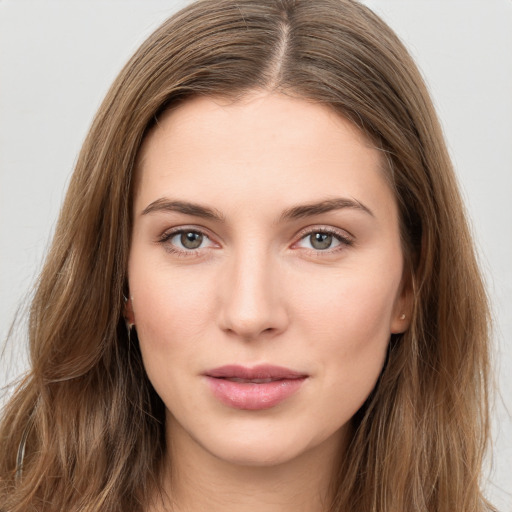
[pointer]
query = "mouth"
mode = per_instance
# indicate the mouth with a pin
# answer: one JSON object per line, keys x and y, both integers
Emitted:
{"x": 249, "y": 381}
{"x": 257, "y": 388}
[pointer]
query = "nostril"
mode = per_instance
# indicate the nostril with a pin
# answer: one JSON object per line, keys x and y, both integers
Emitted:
{"x": 250, "y": 302}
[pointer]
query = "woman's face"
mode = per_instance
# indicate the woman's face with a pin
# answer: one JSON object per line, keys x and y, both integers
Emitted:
{"x": 265, "y": 275}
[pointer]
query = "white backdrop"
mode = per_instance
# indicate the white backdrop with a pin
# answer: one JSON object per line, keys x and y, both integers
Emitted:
{"x": 57, "y": 59}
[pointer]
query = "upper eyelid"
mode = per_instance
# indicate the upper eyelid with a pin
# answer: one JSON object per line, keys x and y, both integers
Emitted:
{"x": 165, "y": 240}
{"x": 168, "y": 233}
{"x": 343, "y": 233}
{"x": 302, "y": 233}
{"x": 345, "y": 239}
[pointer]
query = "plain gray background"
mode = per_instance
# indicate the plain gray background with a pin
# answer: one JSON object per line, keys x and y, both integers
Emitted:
{"x": 57, "y": 59}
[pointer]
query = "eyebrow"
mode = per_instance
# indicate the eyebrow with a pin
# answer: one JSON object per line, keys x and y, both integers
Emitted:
{"x": 309, "y": 210}
{"x": 196, "y": 210}
{"x": 293, "y": 213}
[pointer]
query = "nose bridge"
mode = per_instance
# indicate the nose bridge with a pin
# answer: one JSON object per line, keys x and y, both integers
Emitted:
{"x": 251, "y": 303}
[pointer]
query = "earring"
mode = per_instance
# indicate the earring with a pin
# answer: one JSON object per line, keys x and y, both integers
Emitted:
{"x": 402, "y": 316}
{"x": 129, "y": 325}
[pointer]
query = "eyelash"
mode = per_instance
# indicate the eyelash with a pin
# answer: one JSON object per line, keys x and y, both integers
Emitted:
{"x": 343, "y": 239}
{"x": 169, "y": 235}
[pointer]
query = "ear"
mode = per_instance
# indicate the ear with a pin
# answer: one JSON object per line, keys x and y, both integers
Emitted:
{"x": 128, "y": 314}
{"x": 403, "y": 308}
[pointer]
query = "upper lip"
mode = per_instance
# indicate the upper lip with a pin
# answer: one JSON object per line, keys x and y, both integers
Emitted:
{"x": 263, "y": 371}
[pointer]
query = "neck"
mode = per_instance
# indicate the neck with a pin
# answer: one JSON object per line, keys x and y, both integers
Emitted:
{"x": 196, "y": 480}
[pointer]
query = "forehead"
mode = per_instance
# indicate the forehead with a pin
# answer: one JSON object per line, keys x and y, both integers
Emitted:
{"x": 293, "y": 119}
{"x": 263, "y": 145}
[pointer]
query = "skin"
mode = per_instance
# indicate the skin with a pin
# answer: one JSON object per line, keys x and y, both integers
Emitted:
{"x": 257, "y": 290}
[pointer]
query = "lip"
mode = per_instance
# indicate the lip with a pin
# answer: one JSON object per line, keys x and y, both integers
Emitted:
{"x": 256, "y": 388}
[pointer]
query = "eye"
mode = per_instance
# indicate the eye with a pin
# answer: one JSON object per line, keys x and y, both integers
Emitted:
{"x": 323, "y": 240}
{"x": 186, "y": 240}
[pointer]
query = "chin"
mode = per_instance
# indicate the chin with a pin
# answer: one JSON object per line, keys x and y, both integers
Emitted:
{"x": 257, "y": 446}
{"x": 256, "y": 455}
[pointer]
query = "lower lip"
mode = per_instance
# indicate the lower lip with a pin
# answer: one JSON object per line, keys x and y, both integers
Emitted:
{"x": 251, "y": 396}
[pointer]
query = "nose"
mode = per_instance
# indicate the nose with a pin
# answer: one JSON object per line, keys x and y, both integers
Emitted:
{"x": 252, "y": 301}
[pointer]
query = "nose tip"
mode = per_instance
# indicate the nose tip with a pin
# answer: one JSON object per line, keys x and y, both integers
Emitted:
{"x": 251, "y": 325}
{"x": 252, "y": 306}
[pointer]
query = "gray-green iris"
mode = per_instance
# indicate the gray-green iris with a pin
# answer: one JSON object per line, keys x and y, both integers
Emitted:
{"x": 191, "y": 239}
{"x": 321, "y": 241}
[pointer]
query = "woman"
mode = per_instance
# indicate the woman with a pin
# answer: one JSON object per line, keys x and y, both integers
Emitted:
{"x": 293, "y": 316}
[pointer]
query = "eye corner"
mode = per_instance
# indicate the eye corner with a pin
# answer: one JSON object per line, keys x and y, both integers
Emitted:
{"x": 187, "y": 241}
{"x": 329, "y": 240}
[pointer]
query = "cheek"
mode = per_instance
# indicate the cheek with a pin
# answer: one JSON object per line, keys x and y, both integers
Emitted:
{"x": 347, "y": 324}
{"x": 171, "y": 314}
{"x": 352, "y": 305}
{"x": 170, "y": 308}
{"x": 348, "y": 339}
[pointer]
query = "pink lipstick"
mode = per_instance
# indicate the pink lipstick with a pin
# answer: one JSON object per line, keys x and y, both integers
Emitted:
{"x": 260, "y": 387}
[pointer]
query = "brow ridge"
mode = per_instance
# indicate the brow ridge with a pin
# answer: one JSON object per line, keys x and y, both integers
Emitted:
{"x": 328, "y": 205}
{"x": 188, "y": 208}
{"x": 293, "y": 213}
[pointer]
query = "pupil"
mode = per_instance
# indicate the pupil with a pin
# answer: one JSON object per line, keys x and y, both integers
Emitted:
{"x": 191, "y": 240}
{"x": 321, "y": 240}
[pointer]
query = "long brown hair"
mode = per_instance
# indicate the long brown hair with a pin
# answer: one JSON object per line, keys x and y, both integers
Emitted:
{"x": 84, "y": 431}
